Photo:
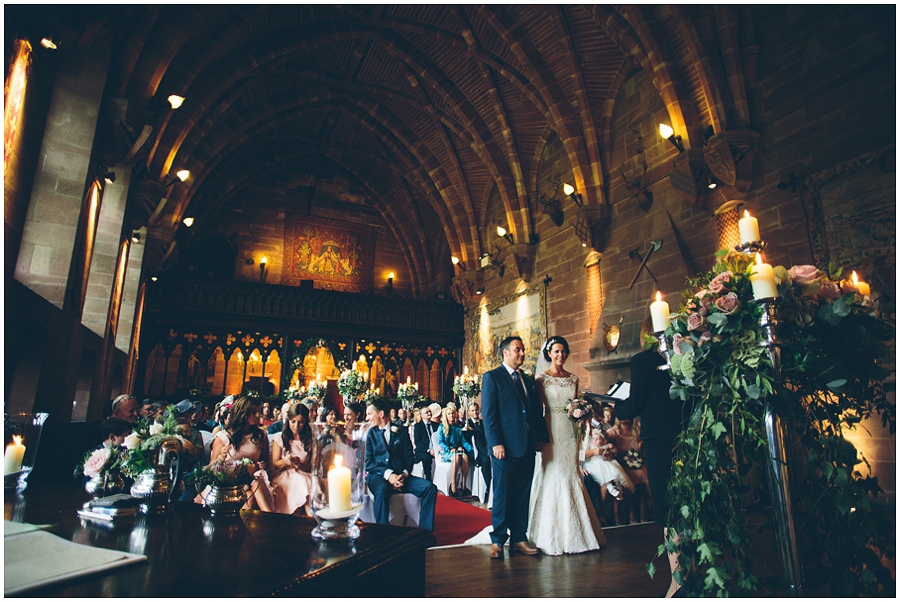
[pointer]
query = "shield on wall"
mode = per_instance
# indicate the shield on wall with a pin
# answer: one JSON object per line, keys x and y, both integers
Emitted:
{"x": 720, "y": 160}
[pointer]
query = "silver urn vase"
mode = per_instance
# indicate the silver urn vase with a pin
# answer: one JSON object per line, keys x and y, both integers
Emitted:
{"x": 158, "y": 486}
{"x": 225, "y": 500}
{"x": 102, "y": 485}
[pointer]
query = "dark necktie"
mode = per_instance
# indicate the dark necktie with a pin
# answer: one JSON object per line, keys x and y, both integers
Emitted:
{"x": 515, "y": 376}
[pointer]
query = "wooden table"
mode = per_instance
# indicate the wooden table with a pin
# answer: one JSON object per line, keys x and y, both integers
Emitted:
{"x": 256, "y": 554}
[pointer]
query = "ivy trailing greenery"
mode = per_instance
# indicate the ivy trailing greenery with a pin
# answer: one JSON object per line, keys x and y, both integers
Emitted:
{"x": 832, "y": 342}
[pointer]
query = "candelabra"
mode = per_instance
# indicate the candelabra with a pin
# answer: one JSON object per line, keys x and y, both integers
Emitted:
{"x": 663, "y": 349}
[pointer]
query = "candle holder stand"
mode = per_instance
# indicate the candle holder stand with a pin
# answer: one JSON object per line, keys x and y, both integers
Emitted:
{"x": 779, "y": 459}
{"x": 750, "y": 247}
{"x": 338, "y": 485}
{"x": 664, "y": 350}
{"x": 28, "y": 426}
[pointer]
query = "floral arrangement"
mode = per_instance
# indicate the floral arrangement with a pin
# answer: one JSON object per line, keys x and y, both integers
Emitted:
{"x": 106, "y": 459}
{"x": 304, "y": 347}
{"x": 633, "y": 459}
{"x": 351, "y": 383}
{"x": 579, "y": 411}
{"x": 830, "y": 338}
{"x": 370, "y": 395}
{"x": 408, "y": 394}
{"x": 144, "y": 441}
{"x": 317, "y": 390}
{"x": 466, "y": 385}
{"x": 293, "y": 393}
{"x": 222, "y": 473}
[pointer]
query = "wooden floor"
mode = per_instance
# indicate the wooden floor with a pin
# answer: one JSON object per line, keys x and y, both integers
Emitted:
{"x": 616, "y": 571}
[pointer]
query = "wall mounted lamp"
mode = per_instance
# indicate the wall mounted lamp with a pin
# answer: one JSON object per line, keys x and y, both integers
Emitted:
{"x": 135, "y": 237}
{"x": 390, "y": 283}
{"x": 479, "y": 290}
{"x": 107, "y": 175}
{"x": 153, "y": 278}
{"x": 188, "y": 222}
{"x": 456, "y": 261}
{"x": 49, "y": 43}
{"x": 489, "y": 261}
{"x": 711, "y": 182}
{"x": 501, "y": 232}
{"x": 569, "y": 191}
{"x": 263, "y": 261}
{"x": 668, "y": 133}
{"x": 180, "y": 176}
{"x": 175, "y": 101}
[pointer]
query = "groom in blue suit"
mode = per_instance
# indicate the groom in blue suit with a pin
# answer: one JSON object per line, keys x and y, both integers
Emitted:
{"x": 389, "y": 461}
{"x": 515, "y": 428}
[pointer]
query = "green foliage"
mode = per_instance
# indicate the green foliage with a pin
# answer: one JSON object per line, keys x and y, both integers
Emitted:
{"x": 830, "y": 339}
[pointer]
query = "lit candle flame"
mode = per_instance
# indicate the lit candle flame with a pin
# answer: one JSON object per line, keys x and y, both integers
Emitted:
{"x": 854, "y": 278}
{"x": 658, "y": 296}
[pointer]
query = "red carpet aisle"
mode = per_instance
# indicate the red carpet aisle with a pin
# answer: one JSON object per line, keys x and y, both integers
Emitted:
{"x": 455, "y": 521}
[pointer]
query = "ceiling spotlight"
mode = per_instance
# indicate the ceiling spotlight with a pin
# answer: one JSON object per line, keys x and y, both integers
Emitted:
{"x": 188, "y": 221}
{"x": 48, "y": 43}
{"x": 175, "y": 101}
{"x": 668, "y": 133}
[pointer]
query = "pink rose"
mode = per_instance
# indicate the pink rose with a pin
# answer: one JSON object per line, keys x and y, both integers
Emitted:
{"x": 728, "y": 304}
{"x": 696, "y": 322}
{"x": 720, "y": 282}
{"x": 577, "y": 413}
{"x": 96, "y": 462}
{"x": 707, "y": 299}
{"x": 804, "y": 274}
{"x": 830, "y": 290}
{"x": 705, "y": 337}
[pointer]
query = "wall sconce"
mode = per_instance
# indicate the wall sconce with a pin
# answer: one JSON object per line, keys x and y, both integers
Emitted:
{"x": 711, "y": 182}
{"x": 501, "y": 232}
{"x": 188, "y": 222}
{"x": 668, "y": 133}
{"x": 135, "y": 237}
{"x": 611, "y": 335}
{"x": 175, "y": 101}
{"x": 153, "y": 278}
{"x": 479, "y": 290}
{"x": 105, "y": 174}
{"x": 390, "y": 283}
{"x": 262, "y": 268}
{"x": 49, "y": 43}
{"x": 180, "y": 176}
{"x": 569, "y": 191}
{"x": 455, "y": 261}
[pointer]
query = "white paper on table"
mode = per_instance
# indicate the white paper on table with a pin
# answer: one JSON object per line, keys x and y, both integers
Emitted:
{"x": 620, "y": 390}
{"x": 33, "y": 558}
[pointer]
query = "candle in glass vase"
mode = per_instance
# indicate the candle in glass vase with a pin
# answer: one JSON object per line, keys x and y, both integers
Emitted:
{"x": 763, "y": 280}
{"x": 15, "y": 453}
{"x": 863, "y": 287}
{"x": 749, "y": 228}
{"x": 339, "y": 485}
{"x": 659, "y": 314}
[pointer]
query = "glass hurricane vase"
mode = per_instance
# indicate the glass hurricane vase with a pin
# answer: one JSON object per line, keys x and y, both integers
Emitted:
{"x": 22, "y": 434}
{"x": 338, "y": 479}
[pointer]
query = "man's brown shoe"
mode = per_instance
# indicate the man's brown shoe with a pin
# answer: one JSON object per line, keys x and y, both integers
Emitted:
{"x": 523, "y": 547}
{"x": 496, "y": 551}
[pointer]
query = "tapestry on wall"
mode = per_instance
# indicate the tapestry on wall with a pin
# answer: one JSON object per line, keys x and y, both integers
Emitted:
{"x": 335, "y": 255}
{"x": 523, "y": 314}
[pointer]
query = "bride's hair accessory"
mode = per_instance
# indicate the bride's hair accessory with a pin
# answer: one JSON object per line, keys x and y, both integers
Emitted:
{"x": 555, "y": 340}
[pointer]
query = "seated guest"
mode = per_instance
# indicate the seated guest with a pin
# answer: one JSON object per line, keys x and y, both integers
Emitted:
{"x": 266, "y": 419}
{"x": 278, "y": 426}
{"x": 125, "y": 407}
{"x": 626, "y": 437}
{"x": 482, "y": 458}
{"x": 159, "y": 409}
{"x": 389, "y": 461}
{"x": 242, "y": 438}
{"x": 422, "y": 436}
{"x": 146, "y": 409}
{"x": 292, "y": 463}
{"x": 454, "y": 449}
{"x": 116, "y": 431}
{"x": 609, "y": 418}
{"x": 403, "y": 416}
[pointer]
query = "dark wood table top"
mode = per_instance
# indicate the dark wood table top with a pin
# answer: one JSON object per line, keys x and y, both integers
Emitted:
{"x": 190, "y": 553}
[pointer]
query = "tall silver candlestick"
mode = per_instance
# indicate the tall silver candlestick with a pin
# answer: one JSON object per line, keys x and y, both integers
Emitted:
{"x": 779, "y": 460}
{"x": 663, "y": 349}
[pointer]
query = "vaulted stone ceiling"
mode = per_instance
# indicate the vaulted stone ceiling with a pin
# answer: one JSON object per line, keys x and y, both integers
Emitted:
{"x": 430, "y": 111}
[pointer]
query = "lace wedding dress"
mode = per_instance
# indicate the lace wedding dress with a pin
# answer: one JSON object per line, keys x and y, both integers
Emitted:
{"x": 562, "y": 518}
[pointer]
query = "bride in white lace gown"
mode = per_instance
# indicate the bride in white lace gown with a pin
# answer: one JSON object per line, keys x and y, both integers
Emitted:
{"x": 562, "y": 518}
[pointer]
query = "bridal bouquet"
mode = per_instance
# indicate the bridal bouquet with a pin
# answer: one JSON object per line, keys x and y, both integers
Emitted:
{"x": 579, "y": 411}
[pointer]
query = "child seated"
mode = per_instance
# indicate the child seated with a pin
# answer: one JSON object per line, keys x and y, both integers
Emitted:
{"x": 600, "y": 462}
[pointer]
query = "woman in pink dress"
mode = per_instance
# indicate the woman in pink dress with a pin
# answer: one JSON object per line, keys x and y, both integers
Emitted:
{"x": 242, "y": 438}
{"x": 292, "y": 463}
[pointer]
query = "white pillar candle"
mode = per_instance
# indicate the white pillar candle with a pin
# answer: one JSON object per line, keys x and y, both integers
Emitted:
{"x": 15, "y": 453}
{"x": 659, "y": 314}
{"x": 339, "y": 486}
{"x": 763, "y": 280}
{"x": 749, "y": 228}
{"x": 863, "y": 287}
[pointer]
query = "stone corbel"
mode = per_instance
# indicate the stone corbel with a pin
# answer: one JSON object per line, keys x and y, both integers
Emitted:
{"x": 523, "y": 255}
{"x": 466, "y": 286}
{"x": 731, "y": 156}
{"x": 592, "y": 225}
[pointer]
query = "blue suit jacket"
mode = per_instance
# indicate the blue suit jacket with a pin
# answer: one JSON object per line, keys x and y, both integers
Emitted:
{"x": 379, "y": 457}
{"x": 509, "y": 413}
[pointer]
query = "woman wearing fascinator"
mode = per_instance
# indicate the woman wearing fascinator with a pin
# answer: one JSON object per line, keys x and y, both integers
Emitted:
{"x": 562, "y": 518}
